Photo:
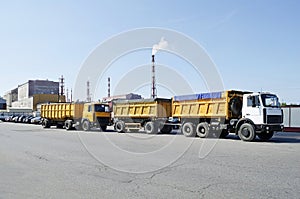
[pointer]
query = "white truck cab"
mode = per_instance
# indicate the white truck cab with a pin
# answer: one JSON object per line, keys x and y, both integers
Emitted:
{"x": 261, "y": 116}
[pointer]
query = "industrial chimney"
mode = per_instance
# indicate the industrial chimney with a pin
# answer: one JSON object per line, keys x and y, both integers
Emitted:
{"x": 108, "y": 87}
{"x": 61, "y": 88}
{"x": 88, "y": 97}
{"x": 153, "y": 95}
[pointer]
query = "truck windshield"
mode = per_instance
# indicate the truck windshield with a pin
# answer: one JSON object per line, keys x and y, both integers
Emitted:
{"x": 101, "y": 108}
{"x": 270, "y": 100}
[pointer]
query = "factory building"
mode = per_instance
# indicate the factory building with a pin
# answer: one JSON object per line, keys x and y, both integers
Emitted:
{"x": 2, "y": 104}
{"x": 11, "y": 96}
{"x": 32, "y": 93}
{"x": 33, "y": 87}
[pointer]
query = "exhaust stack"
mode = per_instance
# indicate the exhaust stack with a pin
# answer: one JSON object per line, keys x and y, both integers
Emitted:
{"x": 108, "y": 87}
{"x": 88, "y": 94}
{"x": 153, "y": 95}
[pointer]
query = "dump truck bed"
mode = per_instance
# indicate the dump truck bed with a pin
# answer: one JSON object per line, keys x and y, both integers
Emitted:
{"x": 142, "y": 108}
{"x": 205, "y": 105}
{"x": 62, "y": 111}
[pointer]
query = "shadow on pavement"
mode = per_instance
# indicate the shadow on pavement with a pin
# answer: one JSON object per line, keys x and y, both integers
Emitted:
{"x": 285, "y": 137}
{"x": 280, "y": 137}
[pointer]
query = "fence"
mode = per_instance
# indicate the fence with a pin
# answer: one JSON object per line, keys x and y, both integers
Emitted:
{"x": 291, "y": 119}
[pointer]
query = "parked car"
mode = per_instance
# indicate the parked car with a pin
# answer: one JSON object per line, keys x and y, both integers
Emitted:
{"x": 15, "y": 118}
{"x": 36, "y": 120}
{"x": 20, "y": 118}
{"x": 2, "y": 117}
{"x": 9, "y": 118}
{"x": 27, "y": 119}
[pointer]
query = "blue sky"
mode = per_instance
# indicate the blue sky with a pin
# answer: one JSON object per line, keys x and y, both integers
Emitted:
{"x": 254, "y": 44}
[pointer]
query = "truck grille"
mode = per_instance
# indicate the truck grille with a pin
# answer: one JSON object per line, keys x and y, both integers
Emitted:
{"x": 103, "y": 120}
{"x": 274, "y": 119}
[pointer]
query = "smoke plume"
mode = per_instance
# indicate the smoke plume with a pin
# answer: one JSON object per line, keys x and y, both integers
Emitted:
{"x": 161, "y": 45}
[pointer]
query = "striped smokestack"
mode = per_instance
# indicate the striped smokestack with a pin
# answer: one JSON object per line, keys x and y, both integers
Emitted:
{"x": 108, "y": 87}
{"x": 153, "y": 95}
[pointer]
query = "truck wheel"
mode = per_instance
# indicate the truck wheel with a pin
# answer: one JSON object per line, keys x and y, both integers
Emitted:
{"x": 166, "y": 129}
{"x": 264, "y": 136}
{"x": 68, "y": 125}
{"x": 202, "y": 130}
{"x": 247, "y": 132}
{"x": 46, "y": 123}
{"x": 103, "y": 127}
{"x": 85, "y": 125}
{"x": 151, "y": 128}
{"x": 120, "y": 126}
{"x": 188, "y": 129}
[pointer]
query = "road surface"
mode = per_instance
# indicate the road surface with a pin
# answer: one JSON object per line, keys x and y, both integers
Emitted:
{"x": 55, "y": 163}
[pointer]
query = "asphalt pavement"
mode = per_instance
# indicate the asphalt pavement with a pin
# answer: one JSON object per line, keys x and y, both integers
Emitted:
{"x": 55, "y": 163}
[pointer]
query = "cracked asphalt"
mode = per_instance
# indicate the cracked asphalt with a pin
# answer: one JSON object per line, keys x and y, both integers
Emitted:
{"x": 55, "y": 163}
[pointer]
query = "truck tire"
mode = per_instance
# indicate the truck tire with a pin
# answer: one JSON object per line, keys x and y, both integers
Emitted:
{"x": 68, "y": 125}
{"x": 151, "y": 128}
{"x": 247, "y": 132}
{"x": 103, "y": 127}
{"x": 46, "y": 124}
{"x": 120, "y": 126}
{"x": 166, "y": 129}
{"x": 202, "y": 130}
{"x": 264, "y": 136}
{"x": 188, "y": 129}
{"x": 85, "y": 125}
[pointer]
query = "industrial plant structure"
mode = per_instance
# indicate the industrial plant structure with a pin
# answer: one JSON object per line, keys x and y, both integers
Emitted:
{"x": 2, "y": 104}
{"x": 32, "y": 93}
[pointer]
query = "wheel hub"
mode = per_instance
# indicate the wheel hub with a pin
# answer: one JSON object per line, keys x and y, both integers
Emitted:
{"x": 245, "y": 132}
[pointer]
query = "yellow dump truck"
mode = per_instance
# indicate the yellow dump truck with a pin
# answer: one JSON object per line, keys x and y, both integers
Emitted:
{"x": 218, "y": 113}
{"x": 150, "y": 114}
{"x": 76, "y": 115}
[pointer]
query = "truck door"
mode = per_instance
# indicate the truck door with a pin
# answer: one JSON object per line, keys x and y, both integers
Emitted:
{"x": 252, "y": 109}
{"x": 89, "y": 113}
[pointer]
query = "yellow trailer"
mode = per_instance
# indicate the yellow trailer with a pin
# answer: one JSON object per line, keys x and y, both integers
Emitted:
{"x": 148, "y": 113}
{"x": 225, "y": 104}
{"x": 199, "y": 113}
{"x": 62, "y": 111}
{"x": 80, "y": 115}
